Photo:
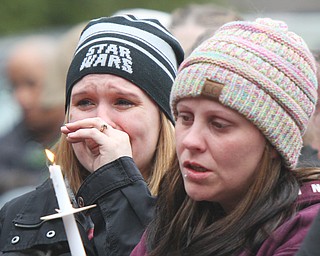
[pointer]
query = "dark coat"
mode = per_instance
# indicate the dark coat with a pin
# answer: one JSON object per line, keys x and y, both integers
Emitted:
{"x": 124, "y": 208}
{"x": 21, "y": 156}
{"x": 311, "y": 245}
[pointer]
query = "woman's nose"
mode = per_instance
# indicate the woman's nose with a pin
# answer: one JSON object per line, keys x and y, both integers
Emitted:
{"x": 194, "y": 139}
{"x": 105, "y": 113}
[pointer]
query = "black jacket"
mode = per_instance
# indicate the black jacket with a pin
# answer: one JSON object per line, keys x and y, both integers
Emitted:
{"x": 311, "y": 246}
{"x": 124, "y": 208}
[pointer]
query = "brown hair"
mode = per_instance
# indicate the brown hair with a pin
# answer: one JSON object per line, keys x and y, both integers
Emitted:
{"x": 184, "y": 226}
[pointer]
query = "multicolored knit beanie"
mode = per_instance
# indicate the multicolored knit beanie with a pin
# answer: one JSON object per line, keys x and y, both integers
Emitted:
{"x": 141, "y": 51}
{"x": 261, "y": 70}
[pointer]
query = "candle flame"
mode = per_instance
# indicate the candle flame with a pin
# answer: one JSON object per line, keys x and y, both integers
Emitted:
{"x": 50, "y": 155}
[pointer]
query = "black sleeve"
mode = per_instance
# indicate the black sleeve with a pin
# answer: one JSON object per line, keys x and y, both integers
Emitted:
{"x": 124, "y": 206}
{"x": 311, "y": 245}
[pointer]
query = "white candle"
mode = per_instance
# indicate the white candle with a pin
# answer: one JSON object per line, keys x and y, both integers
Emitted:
{"x": 70, "y": 225}
{"x": 60, "y": 188}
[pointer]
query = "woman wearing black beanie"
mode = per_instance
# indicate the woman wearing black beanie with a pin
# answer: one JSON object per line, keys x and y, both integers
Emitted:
{"x": 116, "y": 143}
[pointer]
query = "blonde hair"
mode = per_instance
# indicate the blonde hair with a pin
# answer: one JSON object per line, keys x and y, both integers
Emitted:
{"x": 164, "y": 155}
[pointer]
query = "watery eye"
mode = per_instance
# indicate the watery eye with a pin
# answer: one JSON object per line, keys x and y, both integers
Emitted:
{"x": 124, "y": 102}
{"x": 84, "y": 102}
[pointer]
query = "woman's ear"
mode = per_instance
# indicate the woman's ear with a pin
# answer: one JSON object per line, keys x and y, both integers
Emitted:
{"x": 274, "y": 154}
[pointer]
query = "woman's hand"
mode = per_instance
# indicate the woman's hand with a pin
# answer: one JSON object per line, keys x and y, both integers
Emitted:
{"x": 98, "y": 143}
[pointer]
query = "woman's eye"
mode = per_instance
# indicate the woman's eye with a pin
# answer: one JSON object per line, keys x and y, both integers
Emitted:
{"x": 84, "y": 102}
{"x": 124, "y": 102}
{"x": 218, "y": 125}
{"x": 184, "y": 118}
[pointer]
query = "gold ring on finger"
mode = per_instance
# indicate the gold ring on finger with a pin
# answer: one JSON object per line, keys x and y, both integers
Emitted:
{"x": 103, "y": 127}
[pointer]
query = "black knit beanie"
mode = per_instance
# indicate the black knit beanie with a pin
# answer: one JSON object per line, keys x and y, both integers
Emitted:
{"x": 139, "y": 50}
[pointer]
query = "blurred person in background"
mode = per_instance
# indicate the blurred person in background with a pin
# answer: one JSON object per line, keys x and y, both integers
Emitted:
{"x": 310, "y": 153}
{"x": 58, "y": 66}
{"x": 189, "y": 22}
{"x": 22, "y": 162}
{"x": 144, "y": 13}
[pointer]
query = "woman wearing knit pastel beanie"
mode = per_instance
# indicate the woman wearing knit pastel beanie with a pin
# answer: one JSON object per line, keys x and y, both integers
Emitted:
{"x": 242, "y": 101}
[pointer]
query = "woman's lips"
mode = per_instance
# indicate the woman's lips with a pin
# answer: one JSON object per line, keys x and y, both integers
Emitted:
{"x": 195, "y": 167}
{"x": 195, "y": 172}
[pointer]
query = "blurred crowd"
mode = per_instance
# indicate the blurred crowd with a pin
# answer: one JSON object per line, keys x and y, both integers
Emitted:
{"x": 35, "y": 69}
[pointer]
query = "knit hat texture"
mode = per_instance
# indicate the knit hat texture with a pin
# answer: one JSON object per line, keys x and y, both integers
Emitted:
{"x": 267, "y": 74}
{"x": 139, "y": 50}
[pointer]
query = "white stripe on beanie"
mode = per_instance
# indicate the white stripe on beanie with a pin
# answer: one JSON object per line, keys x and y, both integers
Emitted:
{"x": 139, "y": 50}
{"x": 138, "y": 47}
{"x": 151, "y": 40}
